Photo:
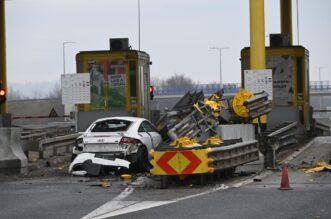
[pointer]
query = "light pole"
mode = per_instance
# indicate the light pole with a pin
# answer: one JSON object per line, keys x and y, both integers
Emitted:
{"x": 139, "y": 23}
{"x": 321, "y": 86}
{"x": 64, "y": 55}
{"x": 220, "y": 50}
{"x": 319, "y": 72}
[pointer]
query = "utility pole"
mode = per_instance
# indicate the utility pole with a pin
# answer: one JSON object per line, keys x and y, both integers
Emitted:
{"x": 220, "y": 50}
{"x": 64, "y": 55}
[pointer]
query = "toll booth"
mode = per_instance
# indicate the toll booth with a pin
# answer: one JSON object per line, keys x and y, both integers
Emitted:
{"x": 120, "y": 82}
{"x": 290, "y": 71}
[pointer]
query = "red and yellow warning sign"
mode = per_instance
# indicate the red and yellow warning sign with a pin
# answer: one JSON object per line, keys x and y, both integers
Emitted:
{"x": 180, "y": 162}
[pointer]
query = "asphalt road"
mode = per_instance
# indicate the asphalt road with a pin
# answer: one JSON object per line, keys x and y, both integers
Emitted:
{"x": 237, "y": 197}
{"x": 309, "y": 198}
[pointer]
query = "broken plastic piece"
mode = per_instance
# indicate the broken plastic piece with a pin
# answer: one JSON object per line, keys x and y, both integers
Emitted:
{"x": 318, "y": 167}
{"x": 86, "y": 157}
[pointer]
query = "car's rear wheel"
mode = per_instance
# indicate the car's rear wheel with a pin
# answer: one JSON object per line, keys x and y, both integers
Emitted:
{"x": 142, "y": 163}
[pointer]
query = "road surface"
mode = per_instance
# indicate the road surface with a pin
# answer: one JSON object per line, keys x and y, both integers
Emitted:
{"x": 241, "y": 196}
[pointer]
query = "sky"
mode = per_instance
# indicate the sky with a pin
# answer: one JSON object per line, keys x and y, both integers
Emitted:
{"x": 177, "y": 34}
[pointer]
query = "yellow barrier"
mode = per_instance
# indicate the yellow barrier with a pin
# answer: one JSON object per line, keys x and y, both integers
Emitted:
{"x": 182, "y": 162}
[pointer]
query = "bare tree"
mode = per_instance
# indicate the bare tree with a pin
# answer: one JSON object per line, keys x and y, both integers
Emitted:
{"x": 37, "y": 94}
{"x": 55, "y": 92}
{"x": 156, "y": 81}
{"x": 178, "y": 80}
{"x": 15, "y": 94}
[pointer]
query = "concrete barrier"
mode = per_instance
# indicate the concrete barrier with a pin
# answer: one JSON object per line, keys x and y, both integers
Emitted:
{"x": 12, "y": 157}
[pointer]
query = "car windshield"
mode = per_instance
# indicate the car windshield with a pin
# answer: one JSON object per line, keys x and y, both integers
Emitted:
{"x": 112, "y": 125}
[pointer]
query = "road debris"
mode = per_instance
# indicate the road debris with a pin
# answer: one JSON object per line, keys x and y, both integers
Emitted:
{"x": 127, "y": 178}
{"x": 95, "y": 166}
{"x": 318, "y": 167}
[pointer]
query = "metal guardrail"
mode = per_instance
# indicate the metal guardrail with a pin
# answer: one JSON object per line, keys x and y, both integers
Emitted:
{"x": 205, "y": 159}
{"x": 206, "y": 88}
{"x": 277, "y": 139}
{"x": 228, "y": 88}
{"x": 227, "y": 157}
{"x": 50, "y": 146}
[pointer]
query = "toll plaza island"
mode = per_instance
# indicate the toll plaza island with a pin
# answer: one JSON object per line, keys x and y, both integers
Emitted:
{"x": 124, "y": 147}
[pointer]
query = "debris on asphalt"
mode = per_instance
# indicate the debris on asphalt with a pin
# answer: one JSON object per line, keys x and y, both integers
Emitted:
{"x": 246, "y": 173}
{"x": 79, "y": 173}
{"x": 105, "y": 183}
{"x": 95, "y": 166}
{"x": 318, "y": 167}
{"x": 126, "y": 178}
{"x": 257, "y": 179}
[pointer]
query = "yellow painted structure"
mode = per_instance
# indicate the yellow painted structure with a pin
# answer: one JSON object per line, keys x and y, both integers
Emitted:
{"x": 286, "y": 18}
{"x": 257, "y": 34}
{"x": 3, "y": 68}
{"x": 215, "y": 140}
{"x": 120, "y": 81}
{"x": 182, "y": 162}
{"x": 238, "y": 103}
{"x": 290, "y": 67}
{"x": 184, "y": 142}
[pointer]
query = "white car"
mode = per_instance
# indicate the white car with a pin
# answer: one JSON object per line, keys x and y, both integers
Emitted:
{"x": 129, "y": 138}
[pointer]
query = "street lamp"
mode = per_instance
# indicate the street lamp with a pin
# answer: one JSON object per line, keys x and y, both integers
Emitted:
{"x": 220, "y": 49}
{"x": 64, "y": 55}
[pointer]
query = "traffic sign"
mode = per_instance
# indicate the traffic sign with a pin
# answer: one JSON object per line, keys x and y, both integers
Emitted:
{"x": 182, "y": 162}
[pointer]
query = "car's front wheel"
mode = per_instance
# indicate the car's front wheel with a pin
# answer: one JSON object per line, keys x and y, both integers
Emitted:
{"x": 142, "y": 163}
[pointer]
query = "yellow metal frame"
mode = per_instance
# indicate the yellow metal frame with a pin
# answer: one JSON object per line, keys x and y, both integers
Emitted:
{"x": 178, "y": 162}
{"x": 257, "y": 34}
{"x": 127, "y": 56}
{"x": 294, "y": 52}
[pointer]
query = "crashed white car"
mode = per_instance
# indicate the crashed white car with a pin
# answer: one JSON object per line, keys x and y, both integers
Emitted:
{"x": 129, "y": 138}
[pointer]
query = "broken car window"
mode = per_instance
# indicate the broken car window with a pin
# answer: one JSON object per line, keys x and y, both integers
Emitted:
{"x": 113, "y": 125}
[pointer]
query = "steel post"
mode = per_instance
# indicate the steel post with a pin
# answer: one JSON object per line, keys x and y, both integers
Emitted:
{"x": 257, "y": 34}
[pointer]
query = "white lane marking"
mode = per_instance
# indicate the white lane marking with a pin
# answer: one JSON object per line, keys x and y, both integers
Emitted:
{"x": 117, "y": 207}
{"x": 137, "y": 206}
{"x": 250, "y": 180}
{"x": 108, "y": 207}
{"x": 112, "y": 205}
{"x": 126, "y": 192}
{"x": 297, "y": 153}
{"x": 220, "y": 187}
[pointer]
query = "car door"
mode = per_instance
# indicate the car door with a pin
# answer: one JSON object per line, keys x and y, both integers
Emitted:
{"x": 150, "y": 135}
